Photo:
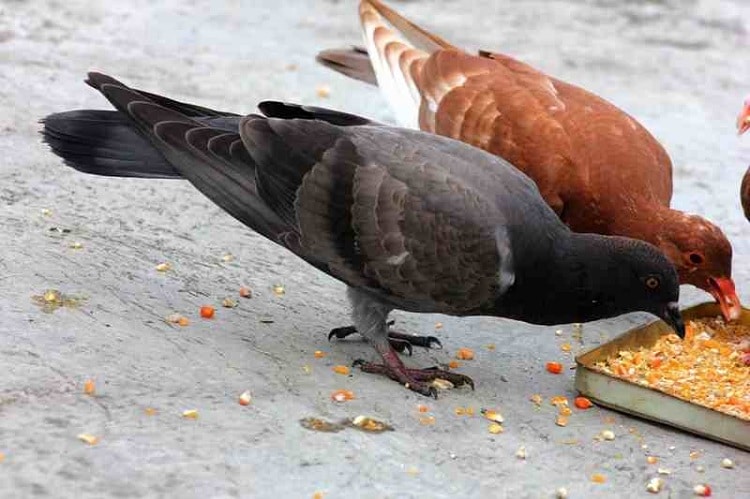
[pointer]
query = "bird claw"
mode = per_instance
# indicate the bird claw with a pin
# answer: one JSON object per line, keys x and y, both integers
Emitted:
{"x": 401, "y": 346}
{"x": 341, "y": 332}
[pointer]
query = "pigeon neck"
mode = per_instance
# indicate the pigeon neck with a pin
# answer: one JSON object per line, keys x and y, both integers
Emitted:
{"x": 568, "y": 284}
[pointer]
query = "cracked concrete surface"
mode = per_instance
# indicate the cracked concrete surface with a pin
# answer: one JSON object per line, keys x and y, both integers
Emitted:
{"x": 676, "y": 66}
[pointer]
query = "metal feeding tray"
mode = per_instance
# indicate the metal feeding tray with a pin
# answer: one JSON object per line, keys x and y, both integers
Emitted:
{"x": 648, "y": 403}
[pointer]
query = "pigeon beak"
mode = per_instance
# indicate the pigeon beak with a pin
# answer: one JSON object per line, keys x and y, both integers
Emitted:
{"x": 672, "y": 316}
{"x": 722, "y": 289}
{"x": 743, "y": 120}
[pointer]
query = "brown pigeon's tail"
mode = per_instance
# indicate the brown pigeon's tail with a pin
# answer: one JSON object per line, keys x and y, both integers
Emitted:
{"x": 396, "y": 50}
{"x": 353, "y": 62}
{"x": 104, "y": 143}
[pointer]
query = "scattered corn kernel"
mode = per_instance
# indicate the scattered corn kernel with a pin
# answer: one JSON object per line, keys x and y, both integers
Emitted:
{"x": 565, "y": 347}
{"x": 190, "y": 414}
{"x": 495, "y": 428}
{"x": 562, "y": 420}
{"x": 438, "y": 325}
{"x": 558, "y": 332}
{"x": 727, "y": 463}
{"x": 554, "y": 367}
{"x": 469, "y": 411}
{"x": 227, "y": 258}
{"x": 229, "y": 302}
{"x": 317, "y": 495}
{"x": 564, "y": 410}
{"x": 598, "y": 478}
{"x": 490, "y": 347}
{"x": 561, "y": 493}
{"x": 412, "y": 470}
{"x": 427, "y": 420}
{"x": 652, "y": 459}
{"x": 492, "y": 415}
{"x": 537, "y": 399}
{"x": 370, "y": 424}
{"x": 582, "y": 403}
{"x": 521, "y": 452}
{"x": 307, "y": 369}
{"x": 319, "y": 354}
{"x": 655, "y": 485}
{"x": 2, "y": 457}
{"x": 88, "y": 387}
{"x": 465, "y": 354}
{"x": 454, "y": 364}
{"x": 442, "y": 384}
{"x": 89, "y": 439}
{"x": 183, "y": 321}
{"x": 76, "y": 245}
{"x": 46, "y": 212}
{"x": 694, "y": 454}
{"x": 278, "y": 290}
{"x": 607, "y": 435}
{"x": 52, "y": 296}
{"x": 246, "y": 292}
{"x": 150, "y": 411}
{"x": 245, "y": 398}
{"x": 207, "y": 312}
{"x": 459, "y": 411}
{"x": 702, "y": 490}
{"x": 342, "y": 395}
{"x": 341, "y": 370}
{"x": 323, "y": 91}
{"x": 422, "y": 408}
{"x": 558, "y": 399}
{"x": 664, "y": 471}
{"x": 700, "y": 469}
{"x": 163, "y": 267}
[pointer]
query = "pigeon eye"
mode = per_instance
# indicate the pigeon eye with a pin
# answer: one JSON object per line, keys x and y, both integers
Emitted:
{"x": 652, "y": 282}
{"x": 695, "y": 258}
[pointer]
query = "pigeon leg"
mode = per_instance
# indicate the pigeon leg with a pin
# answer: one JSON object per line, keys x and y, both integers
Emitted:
{"x": 399, "y": 341}
{"x": 370, "y": 319}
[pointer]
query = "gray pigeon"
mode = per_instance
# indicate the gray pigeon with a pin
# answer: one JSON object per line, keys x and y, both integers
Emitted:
{"x": 408, "y": 220}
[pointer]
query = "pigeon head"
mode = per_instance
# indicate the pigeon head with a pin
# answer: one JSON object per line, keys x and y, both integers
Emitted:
{"x": 586, "y": 277}
{"x": 644, "y": 279}
{"x": 703, "y": 258}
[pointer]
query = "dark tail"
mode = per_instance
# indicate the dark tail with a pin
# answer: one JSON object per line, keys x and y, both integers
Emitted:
{"x": 353, "y": 62}
{"x": 104, "y": 143}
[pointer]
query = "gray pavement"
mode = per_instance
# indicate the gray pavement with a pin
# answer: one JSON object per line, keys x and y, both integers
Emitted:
{"x": 679, "y": 67}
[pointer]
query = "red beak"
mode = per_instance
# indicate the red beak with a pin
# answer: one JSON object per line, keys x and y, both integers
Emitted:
{"x": 743, "y": 119}
{"x": 722, "y": 289}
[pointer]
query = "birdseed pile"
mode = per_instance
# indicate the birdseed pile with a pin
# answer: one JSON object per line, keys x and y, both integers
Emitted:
{"x": 710, "y": 367}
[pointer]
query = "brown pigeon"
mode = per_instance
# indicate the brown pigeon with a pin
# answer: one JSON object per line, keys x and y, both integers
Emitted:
{"x": 598, "y": 168}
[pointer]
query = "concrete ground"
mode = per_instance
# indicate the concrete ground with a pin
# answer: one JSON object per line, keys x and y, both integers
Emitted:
{"x": 679, "y": 67}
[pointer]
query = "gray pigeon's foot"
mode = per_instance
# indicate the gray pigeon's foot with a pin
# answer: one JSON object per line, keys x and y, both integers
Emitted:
{"x": 399, "y": 341}
{"x": 418, "y": 380}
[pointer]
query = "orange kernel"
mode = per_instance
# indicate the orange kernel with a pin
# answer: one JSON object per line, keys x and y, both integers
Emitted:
{"x": 207, "y": 312}
{"x": 554, "y": 367}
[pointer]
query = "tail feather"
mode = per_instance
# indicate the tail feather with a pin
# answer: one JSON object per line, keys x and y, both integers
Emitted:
{"x": 353, "y": 62}
{"x": 418, "y": 37}
{"x": 397, "y": 49}
{"x": 104, "y": 143}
